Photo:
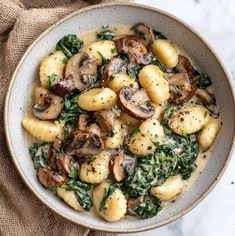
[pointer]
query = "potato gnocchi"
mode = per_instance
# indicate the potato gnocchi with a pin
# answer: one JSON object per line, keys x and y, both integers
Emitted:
{"x": 120, "y": 122}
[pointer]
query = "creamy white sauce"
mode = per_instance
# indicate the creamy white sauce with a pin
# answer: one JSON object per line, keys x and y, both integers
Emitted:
{"x": 119, "y": 29}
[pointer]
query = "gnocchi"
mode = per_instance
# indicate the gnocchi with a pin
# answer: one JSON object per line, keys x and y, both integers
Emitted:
{"x": 106, "y": 48}
{"x": 116, "y": 204}
{"x": 120, "y": 80}
{"x": 52, "y": 68}
{"x": 42, "y": 130}
{"x": 169, "y": 190}
{"x": 142, "y": 141}
{"x": 208, "y": 133}
{"x": 70, "y": 198}
{"x": 165, "y": 52}
{"x": 97, "y": 99}
{"x": 154, "y": 81}
{"x": 96, "y": 171}
{"x": 189, "y": 119}
{"x": 116, "y": 136}
{"x": 121, "y": 122}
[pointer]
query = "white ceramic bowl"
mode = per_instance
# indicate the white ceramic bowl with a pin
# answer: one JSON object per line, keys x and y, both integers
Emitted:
{"x": 88, "y": 19}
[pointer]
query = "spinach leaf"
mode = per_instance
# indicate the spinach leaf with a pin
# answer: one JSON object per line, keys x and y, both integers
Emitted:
{"x": 203, "y": 80}
{"x": 147, "y": 209}
{"x": 80, "y": 190}
{"x": 159, "y": 35}
{"x": 69, "y": 45}
{"x": 39, "y": 154}
{"x": 176, "y": 156}
{"x": 84, "y": 199}
{"x": 70, "y": 113}
{"x": 167, "y": 114}
{"x": 107, "y": 194}
{"x": 156, "y": 62}
{"x": 134, "y": 71}
{"x": 105, "y": 35}
{"x": 51, "y": 79}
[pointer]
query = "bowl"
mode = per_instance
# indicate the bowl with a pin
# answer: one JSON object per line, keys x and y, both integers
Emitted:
{"x": 87, "y": 19}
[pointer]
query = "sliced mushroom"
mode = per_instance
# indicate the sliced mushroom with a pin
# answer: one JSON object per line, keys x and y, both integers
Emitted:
{"x": 116, "y": 65}
{"x": 205, "y": 96}
{"x": 83, "y": 121}
{"x": 116, "y": 167}
{"x": 49, "y": 178}
{"x": 184, "y": 65}
{"x": 83, "y": 143}
{"x": 144, "y": 32}
{"x": 135, "y": 202}
{"x": 64, "y": 164}
{"x": 134, "y": 48}
{"x": 79, "y": 71}
{"x": 136, "y": 104}
{"x": 48, "y": 106}
{"x": 52, "y": 159}
{"x": 181, "y": 88}
{"x": 105, "y": 120}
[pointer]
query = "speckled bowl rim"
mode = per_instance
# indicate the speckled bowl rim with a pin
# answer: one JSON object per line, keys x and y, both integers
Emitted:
{"x": 10, "y": 146}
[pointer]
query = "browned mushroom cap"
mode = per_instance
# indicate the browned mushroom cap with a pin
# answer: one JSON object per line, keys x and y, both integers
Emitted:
{"x": 181, "y": 87}
{"x": 105, "y": 119}
{"x": 136, "y": 104}
{"x": 135, "y": 202}
{"x": 184, "y": 65}
{"x": 79, "y": 71}
{"x": 144, "y": 32}
{"x": 83, "y": 143}
{"x": 205, "y": 96}
{"x": 49, "y": 178}
{"x": 84, "y": 123}
{"x": 116, "y": 167}
{"x": 48, "y": 106}
{"x": 116, "y": 65}
{"x": 64, "y": 164}
{"x": 134, "y": 48}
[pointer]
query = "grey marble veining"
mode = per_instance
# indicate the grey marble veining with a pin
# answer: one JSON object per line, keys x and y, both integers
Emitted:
{"x": 215, "y": 22}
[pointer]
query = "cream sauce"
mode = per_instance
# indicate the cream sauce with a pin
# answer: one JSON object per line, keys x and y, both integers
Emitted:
{"x": 119, "y": 29}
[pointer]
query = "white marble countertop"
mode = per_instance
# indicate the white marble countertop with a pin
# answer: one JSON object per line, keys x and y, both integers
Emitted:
{"x": 215, "y": 21}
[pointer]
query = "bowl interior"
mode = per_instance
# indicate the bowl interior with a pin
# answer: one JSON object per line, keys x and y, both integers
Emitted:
{"x": 86, "y": 21}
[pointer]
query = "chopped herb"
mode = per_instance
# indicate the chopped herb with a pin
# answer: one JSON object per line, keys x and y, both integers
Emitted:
{"x": 136, "y": 131}
{"x": 133, "y": 140}
{"x": 105, "y": 35}
{"x": 113, "y": 50}
{"x": 92, "y": 159}
{"x": 149, "y": 148}
{"x": 69, "y": 45}
{"x": 123, "y": 57}
{"x": 73, "y": 174}
{"x": 64, "y": 60}
{"x": 107, "y": 195}
{"x": 134, "y": 71}
{"x": 167, "y": 114}
{"x": 104, "y": 60}
{"x": 126, "y": 151}
{"x": 112, "y": 133}
{"x": 159, "y": 64}
{"x": 205, "y": 114}
{"x": 116, "y": 107}
{"x": 51, "y": 79}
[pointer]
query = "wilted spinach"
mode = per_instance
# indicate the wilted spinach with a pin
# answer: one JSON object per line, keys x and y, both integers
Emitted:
{"x": 159, "y": 35}
{"x": 106, "y": 34}
{"x": 80, "y": 189}
{"x": 156, "y": 62}
{"x": 70, "y": 112}
{"x": 147, "y": 209}
{"x": 167, "y": 114}
{"x": 176, "y": 156}
{"x": 107, "y": 194}
{"x": 203, "y": 80}
{"x": 39, "y": 154}
{"x": 69, "y": 44}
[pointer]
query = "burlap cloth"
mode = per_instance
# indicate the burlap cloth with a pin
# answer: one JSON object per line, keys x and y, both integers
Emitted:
{"x": 21, "y": 213}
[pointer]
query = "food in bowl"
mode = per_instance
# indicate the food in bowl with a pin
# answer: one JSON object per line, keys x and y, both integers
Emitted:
{"x": 120, "y": 116}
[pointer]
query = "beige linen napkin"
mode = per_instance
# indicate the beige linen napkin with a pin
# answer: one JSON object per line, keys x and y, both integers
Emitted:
{"x": 21, "y": 213}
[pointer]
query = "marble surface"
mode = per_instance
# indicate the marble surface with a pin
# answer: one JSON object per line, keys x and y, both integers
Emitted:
{"x": 215, "y": 21}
